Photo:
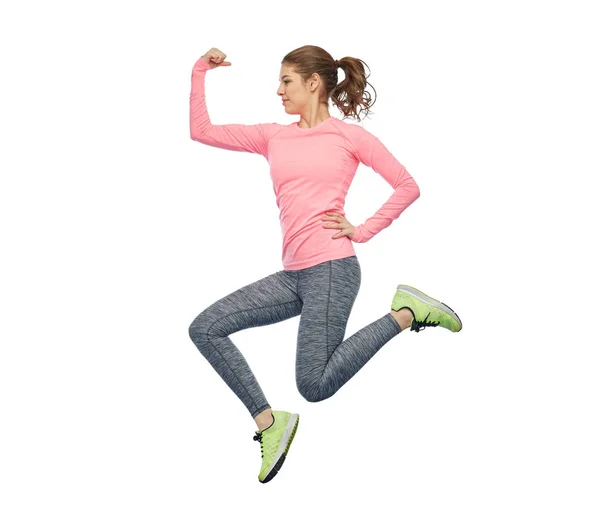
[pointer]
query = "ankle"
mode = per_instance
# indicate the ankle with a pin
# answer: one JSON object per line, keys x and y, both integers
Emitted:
{"x": 264, "y": 419}
{"x": 404, "y": 317}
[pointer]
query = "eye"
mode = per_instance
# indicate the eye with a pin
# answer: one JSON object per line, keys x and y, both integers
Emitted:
{"x": 286, "y": 82}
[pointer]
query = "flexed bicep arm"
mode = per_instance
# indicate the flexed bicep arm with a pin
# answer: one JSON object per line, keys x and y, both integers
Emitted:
{"x": 235, "y": 137}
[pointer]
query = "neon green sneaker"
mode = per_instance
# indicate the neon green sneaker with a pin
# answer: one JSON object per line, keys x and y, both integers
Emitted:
{"x": 275, "y": 442}
{"x": 427, "y": 312}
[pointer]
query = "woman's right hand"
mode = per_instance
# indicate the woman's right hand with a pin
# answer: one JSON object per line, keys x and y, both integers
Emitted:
{"x": 215, "y": 57}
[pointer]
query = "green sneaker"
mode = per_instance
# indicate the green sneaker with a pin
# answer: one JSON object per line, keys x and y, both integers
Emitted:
{"x": 427, "y": 312}
{"x": 275, "y": 442}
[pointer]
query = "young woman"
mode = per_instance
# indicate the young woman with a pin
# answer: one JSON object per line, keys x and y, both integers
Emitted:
{"x": 312, "y": 164}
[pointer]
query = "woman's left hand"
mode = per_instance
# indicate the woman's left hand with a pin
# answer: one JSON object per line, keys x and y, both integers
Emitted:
{"x": 338, "y": 221}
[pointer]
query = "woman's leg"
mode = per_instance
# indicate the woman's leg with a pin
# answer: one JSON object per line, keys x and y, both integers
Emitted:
{"x": 264, "y": 302}
{"x": 324, "y": 361}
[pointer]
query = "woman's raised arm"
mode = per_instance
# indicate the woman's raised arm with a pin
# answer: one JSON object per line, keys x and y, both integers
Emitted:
{"x": 235, "y": 137}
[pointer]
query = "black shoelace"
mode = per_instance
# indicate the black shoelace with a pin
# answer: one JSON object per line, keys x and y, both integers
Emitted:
{"x": 258, "y": 437}
{"x": 419, "y": 325}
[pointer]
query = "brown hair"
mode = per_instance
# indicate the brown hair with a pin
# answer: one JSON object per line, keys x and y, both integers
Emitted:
{"x": 348, "y": 95}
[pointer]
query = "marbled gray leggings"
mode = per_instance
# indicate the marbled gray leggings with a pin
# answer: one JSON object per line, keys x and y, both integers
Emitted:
{"x": 323, "y": 296}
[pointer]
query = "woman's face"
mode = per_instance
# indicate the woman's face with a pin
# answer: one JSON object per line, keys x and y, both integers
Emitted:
{"x": 295, "y": 94}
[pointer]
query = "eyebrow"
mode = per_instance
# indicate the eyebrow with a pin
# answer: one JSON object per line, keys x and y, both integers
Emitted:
{"x": 281, "y": 78}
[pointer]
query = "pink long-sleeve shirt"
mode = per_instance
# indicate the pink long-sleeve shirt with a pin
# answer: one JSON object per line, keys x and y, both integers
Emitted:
{"x": 311, "y": 169}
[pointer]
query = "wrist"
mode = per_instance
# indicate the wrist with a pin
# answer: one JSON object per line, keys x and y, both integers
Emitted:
{"x": 202, "y": 65}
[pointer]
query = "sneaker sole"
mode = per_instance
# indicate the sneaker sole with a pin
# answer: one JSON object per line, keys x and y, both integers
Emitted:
{"x": 284, "y": 446}
{"x": 430, "y": 301}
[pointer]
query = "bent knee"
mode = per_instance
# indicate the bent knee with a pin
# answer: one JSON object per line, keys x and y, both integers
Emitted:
{"x": 200, "y": 327}
{"x": 312, "y": 392}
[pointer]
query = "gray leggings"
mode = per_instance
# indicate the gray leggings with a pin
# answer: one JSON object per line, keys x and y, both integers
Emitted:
{"x": 323, "y": 296}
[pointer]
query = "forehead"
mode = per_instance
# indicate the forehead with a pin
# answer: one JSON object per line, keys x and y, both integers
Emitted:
{"x": 286, "y": 71}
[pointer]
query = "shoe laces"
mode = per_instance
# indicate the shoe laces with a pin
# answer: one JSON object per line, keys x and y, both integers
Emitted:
{"x": 258, "y": 437}
{"x": 419, "y": 325}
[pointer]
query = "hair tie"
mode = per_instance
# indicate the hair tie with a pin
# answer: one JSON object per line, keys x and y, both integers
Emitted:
{"x": 337, "y": 63}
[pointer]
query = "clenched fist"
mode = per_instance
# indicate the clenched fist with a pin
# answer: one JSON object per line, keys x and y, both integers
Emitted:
{"x": 215, "y": 57}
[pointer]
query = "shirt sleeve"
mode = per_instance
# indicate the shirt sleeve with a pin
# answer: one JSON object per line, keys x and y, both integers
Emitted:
{"x": 372, "y": 153}
{"x": 246, "y": 138}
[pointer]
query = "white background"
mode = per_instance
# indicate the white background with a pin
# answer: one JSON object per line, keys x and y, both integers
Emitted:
{"x": 118, "y": 229}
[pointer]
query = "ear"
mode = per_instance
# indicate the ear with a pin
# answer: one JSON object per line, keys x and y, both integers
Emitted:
{"x": 314, "y": 80}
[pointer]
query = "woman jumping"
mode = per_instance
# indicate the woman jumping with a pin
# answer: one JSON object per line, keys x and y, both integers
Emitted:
{"x": 312, "y": 164}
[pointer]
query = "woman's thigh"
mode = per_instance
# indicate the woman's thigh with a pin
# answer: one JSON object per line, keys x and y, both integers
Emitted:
{"x": 328, "y": 291}
{"x": 269, "y": 300}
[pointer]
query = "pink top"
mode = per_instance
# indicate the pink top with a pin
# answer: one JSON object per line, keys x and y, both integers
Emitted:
{"x": 311, "y": 170}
